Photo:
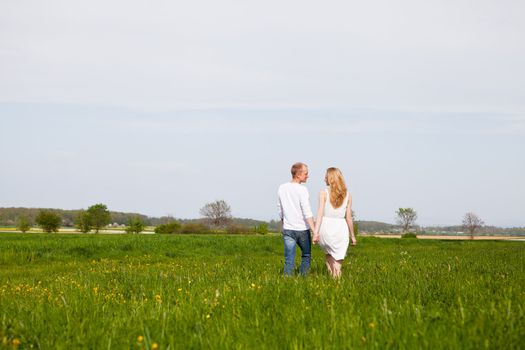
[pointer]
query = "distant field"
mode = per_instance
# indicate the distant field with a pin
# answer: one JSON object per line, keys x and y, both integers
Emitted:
{"x": 226, "y": 292}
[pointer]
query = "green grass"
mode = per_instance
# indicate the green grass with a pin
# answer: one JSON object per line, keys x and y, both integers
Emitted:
{"x": 227, "y": 292}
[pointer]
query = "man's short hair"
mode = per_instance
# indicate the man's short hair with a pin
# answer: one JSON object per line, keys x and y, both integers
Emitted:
{"x": 297, "y": 167}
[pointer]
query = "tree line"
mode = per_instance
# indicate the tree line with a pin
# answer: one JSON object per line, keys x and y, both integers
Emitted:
{"x": 216, "y": 218}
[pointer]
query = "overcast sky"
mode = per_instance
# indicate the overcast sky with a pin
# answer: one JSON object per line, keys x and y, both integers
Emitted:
{"x": 161, "y": 106}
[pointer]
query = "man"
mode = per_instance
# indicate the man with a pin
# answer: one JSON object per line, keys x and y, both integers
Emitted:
{"x": 296, "y": 218}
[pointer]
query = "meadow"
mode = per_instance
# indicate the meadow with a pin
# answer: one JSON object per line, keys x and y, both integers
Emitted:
{"x": 71, "y": 291}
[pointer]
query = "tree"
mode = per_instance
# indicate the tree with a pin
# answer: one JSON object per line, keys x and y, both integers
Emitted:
{"x": 99, "y": 216}
{"x": 406, "y": 217}
{"x": 218, "y": 213}
{"x": 472, "y": 222}
{"x": 48, "y": 220}
{"x": 135, "y": 225}
{"x": 83, "y": 221}
{"x": 23, "y": 224}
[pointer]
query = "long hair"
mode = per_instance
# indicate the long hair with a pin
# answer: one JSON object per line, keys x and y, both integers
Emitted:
{"x": 337, "y": 185}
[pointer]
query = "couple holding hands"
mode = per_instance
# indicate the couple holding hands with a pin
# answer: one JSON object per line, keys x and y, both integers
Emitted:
{"x": 333, "y": 227}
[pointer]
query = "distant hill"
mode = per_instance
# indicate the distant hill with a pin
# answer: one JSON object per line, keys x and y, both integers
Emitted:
{"x": 374, "y": 226}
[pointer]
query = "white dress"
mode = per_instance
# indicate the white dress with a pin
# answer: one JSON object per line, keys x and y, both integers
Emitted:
{"x": 334, "y": 233}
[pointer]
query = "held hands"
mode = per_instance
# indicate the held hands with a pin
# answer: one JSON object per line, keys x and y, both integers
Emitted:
{"x": 316, "y": 237}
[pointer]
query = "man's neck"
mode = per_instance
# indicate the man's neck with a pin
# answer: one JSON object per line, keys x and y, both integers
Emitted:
{"x": 296, "y": 181}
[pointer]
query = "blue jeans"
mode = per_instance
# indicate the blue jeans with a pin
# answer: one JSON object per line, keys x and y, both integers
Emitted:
{"x": 292, "y": 238}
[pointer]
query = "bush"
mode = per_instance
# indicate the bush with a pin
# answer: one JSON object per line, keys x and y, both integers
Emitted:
{"x": 135, "y": 226}
{"x": 172, "y": 227}
{"x": 194, "y": 228}
{"x": 261, "y": 229}
{"x": 409, "y": 235}
{"x": 238, "y": 229}
{"x": 23, "y": 224}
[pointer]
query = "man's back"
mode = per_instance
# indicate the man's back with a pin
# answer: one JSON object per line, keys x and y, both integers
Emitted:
{"x": 294, "y": 206}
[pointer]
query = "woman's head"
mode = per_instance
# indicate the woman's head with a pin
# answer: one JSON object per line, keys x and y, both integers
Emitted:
{"x": 334, "y": 179}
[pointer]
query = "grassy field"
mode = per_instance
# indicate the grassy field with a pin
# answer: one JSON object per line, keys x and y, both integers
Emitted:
{"x": 227, "y": 292}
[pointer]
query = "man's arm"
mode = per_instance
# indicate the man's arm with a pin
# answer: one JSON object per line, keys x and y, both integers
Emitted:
{"x": 307, "y": 211}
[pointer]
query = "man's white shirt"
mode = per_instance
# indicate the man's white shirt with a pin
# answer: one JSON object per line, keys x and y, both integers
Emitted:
{"x": 294, "y": 206}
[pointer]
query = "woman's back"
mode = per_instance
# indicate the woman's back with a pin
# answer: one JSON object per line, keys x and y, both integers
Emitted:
{"x": 330, "y": 211}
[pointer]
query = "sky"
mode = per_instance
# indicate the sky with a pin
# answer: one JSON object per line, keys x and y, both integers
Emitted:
{"x": 159, "y": 107}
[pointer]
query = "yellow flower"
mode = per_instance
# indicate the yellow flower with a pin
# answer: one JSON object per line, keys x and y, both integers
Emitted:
{"x": 158, "y": 298}
{"x": 154, "y": 346}
{"x": 179, "y": 290}
{"x": 95, "y": 290}
{"x": 208, "y": 316}
{"x": 140, "y": 338}
{"x": 16, "y": 342}
{"x": 371, "y": 325}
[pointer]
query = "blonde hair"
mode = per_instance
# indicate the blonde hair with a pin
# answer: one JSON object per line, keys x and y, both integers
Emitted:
{"x": 297, "y": 167}
{"x": 337, "y": 185}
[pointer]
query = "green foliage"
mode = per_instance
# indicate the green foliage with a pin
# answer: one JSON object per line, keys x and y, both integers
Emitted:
{"x": 99, "y": 216}
{"x": 83, "y": 221}
{"x": 356, "y": 228}
{"x": 135, "y": 226}
{"x": 192, "y": 227}
{"x": 409, "y": 235}
{"x": 261, "y": 229}
{"x": 48, "y": 220}
{"x": 238, "y": 229}
{"x": 227, "y": 292}
{"x": 169, "y": 228}
{"x": 23, "y": 224}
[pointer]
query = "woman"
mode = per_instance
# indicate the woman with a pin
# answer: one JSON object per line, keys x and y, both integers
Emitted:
{"x": 334, "y": 221}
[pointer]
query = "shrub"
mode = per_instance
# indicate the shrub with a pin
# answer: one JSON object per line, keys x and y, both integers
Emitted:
{"x": 135, "y": 226}
{"x": 23, "y": 224}
{"x": 194, "y": 228}
{"x": 172, "y": 227}
{"x": 261, "y": 229}
{"x": 237, "y": 229}
{"x": 409, "y": 235}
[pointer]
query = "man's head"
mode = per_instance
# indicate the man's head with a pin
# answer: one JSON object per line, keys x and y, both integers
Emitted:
{"x": 299, "y": 172}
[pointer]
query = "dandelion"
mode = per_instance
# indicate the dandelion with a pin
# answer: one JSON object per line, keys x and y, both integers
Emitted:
{"x": 158, "y": 298}
{"x": 179, "y": 290}
{"x": 140, "y": 339}
{"x": 208, "y": 316}
{"x": 154, "y": 346}
{"x": 371, "y": 325}
{"x": 16, "y": 342}
{"x": 95, "y": 290}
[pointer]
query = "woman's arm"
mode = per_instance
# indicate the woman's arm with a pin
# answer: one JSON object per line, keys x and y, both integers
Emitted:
{"x": 349, "y": 220}
{"x": 320, "y": 213}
